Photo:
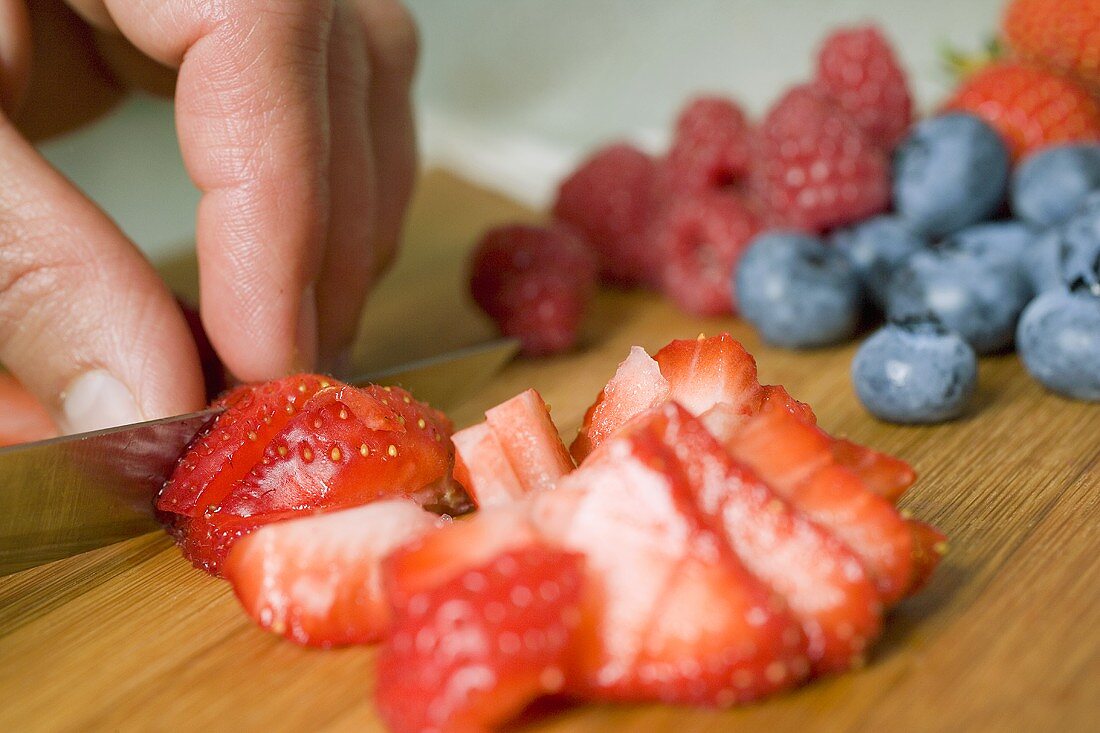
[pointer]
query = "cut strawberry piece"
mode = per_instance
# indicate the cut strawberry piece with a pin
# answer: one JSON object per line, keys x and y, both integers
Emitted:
{"x": 776, "y": 397}
{"x": 530, "y": 440}
{"x": 795, "y": 460}
{"x": 636, "y": 387}
{"x": 672, "y": 614}
{"x": 880, "y": 473}
{"x": 316, "y": 580}
{"x": 483, "y": 469}
{"x": 482, "y": 646}
{"x": 705, "y": 371}
{"x": 282, "y": 450}
{"x": 929, "y": 547}
{"x": 433, "y": 559}
{"x": 822, "y": 581}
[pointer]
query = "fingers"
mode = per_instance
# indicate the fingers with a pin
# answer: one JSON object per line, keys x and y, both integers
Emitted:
{"x": 15, "y": 54}
{"x": 393, "y": 48}
{"x": 85, "y": 323}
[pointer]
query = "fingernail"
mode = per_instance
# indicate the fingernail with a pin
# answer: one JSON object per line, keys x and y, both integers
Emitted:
{"x": 305, "y": 337}
{"x": 97, "y": 400}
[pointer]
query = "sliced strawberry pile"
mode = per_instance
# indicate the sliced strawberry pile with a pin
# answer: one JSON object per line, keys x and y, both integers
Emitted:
{"x": 298, "y": 446}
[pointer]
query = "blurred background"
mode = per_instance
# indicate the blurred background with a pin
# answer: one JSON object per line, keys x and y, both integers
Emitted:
{"x": 512, "y": 92}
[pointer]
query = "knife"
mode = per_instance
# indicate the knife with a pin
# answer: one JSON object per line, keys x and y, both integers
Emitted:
{"x": 67, "y": 495}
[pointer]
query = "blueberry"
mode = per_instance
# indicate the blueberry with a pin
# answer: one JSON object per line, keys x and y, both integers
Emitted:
{"x": 876, "y": 247}
{"x": 980, "y": 297}
{"x": 1050, "y": 184}
{"x": 1010, "y": 240}
{"x": 1065, "y": 249}
{"x": 1059, "y": 339}
{"x": 796, "y": 291}
{"x": 949, "y": 173}
{"x": 915, "y": 371}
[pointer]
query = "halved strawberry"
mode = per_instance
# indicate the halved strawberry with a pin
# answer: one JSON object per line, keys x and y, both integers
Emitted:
{"x": 795, "y": 460}
{"x": 316, "y": 580}
{"x": 671, "y": 614}
{"x": 299, "y": 446}
{"x": 636, "y": 386}
{"x": 705, "y": 371}
{"x": 476, "y": 650}
{"x": 823, "y": 583}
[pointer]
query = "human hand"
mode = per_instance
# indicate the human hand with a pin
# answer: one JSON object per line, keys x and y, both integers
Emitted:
{"x": 294, "y": 121}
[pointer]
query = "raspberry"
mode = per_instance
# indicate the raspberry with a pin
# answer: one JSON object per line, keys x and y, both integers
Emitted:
{"x": 711, "y": 146}
{"x": 816, "y": 169}
{"x": 857, "y": 68}
{"x": 610, "y": 199}
{"x": 702, "y": 237}
{"x": 535, "y": 282}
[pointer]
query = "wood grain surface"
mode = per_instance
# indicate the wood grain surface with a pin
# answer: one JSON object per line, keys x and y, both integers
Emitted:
{"x": 1004, "y": 639}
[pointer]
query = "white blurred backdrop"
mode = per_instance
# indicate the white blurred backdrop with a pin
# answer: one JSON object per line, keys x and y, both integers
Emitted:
{"x": 512, "y": 92}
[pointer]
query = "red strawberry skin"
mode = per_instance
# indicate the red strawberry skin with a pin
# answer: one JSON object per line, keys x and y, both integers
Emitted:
{"x": 711, "y": 146}
{"x": 611, "y": 199}
{"x": 471, "y": 653}
{"x": 301, "y": 445}
{"x": 857, "y": 68}
{"x": 317, "y": 580}
{"x": 815, "y": 168}
{"x": 1031, "y": 108}
{"x": 701, "y": 238}
{"x": 1061, "y": 35}
{"x": 535, "y": 282}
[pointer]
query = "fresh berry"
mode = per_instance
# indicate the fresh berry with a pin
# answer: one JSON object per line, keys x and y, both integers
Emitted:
{"x": 816, "y": 169}
{"x": 611, "y": 199}
{"x": 974, "y": 294}
{"x": 703, "y": 372}
{"x": 881, "y": 473}
{"x": 516, "y": 450}
{"x": 636, "y": 386}
{"x": 711, "y": 146}
{"x": 929, "y": 547}
{"x": 673, "y": 614}
{"x": 317, "y": 580}
{"x": 915, "y": 371}
{"x": 823, "y": 583}
{"x": 797, "y": 292}
{"x": 23, "y": 417}
{"x": 1031, "y": 108}
{"x": 472, "y": 653}
{"x": 1048, "y": 186}
{"x": 949, "y": 173}
{"x": 857, "y": 69}
{"x": 1059, "y": 338}
{"x": 535, "y": 282}
{"x": 301, "y": 445}
{"x": 701, "y": 239}
{"x": 776, "y": 397}
{"x": 1004, "y": 240}
{"x": 1066, "y": 250}
{"x": 876, "y": 248}
{"x": 1062, "y": 35}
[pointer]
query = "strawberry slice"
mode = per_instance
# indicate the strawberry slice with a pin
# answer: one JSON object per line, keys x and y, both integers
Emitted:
{"x": 476, "y": 650}
{"x": 822, "y": 581}
{"x": 316, "y": 580}
{"x": 776, "y": 397}
{"x": 636, "y": 387}
{"x": 672, "y": 613}
{"x": 299, "y": 446}
{"x": 795, "y": 459}
{"x": 705, "y": 371}
{"x": 880, "y": 473}
{"x": 483, "y": 469}
{"x": 929, "y": 547}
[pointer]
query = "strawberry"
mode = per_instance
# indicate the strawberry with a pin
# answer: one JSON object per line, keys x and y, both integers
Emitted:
{"x": 611, "y": 199}
{"x": 701, "y": 238}
{"x": 776, "y": 397}
{"x": 515, "y": 451}
{"x": 821, "y": 580}
{"x": 300, "y": 445}
{"x": 23, "y": 417}
{"x": 815, "y": 167}
{"x": 1062, "y": 35}
{"x": 929, "y": 547}
{"x": 672, "y": 614}
{"x": 1031, "y": 108}
{"x": 535, "y": 282}
{"x": 711, "y": 146}
{"x": 316, "y": 580}
{"x": 857, "y": 68}
{"x": 705, "y": 371}
{"x": 473, "y": 652}
{"x": 880, "y": 473}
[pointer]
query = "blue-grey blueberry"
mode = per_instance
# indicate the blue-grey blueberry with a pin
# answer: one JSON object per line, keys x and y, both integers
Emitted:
{"x": 1048, "y": 185}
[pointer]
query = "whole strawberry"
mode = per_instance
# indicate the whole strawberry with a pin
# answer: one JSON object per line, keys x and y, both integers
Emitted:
{"x": 816, "y": 169}
{"x": 857, "y": 68}
{"x": 1031, "y": 108}
{"x": 1062, "y": 35}
{"x": 711, "y": 146}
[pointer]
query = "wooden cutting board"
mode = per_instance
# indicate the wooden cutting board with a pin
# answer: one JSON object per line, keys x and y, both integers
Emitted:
{"x": 1005, "y": 638}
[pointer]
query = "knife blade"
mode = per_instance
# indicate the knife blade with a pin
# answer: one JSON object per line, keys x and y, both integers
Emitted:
{"x": 67, "y": 495}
